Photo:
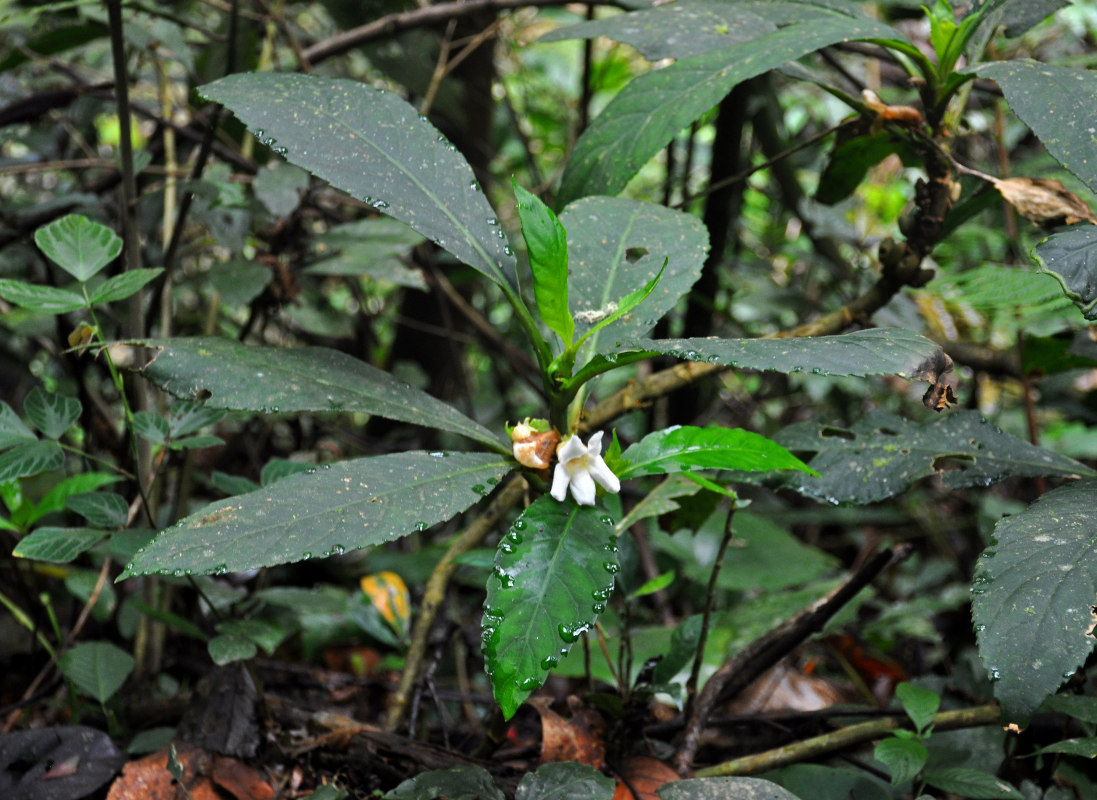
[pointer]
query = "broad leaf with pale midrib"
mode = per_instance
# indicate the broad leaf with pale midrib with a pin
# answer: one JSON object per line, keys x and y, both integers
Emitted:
{"x": 685, "y": 447}
{"x": 337, "y": 508}
{"x": 553, "y": 575}
{"x": 882, "y": 454}
{"x": 652, "y": 109}
{"x": 1033, "y": 596}
{"x": 373, "y": 145}
{"x": 878, "y": 351}
{"x": 266, "y": 379}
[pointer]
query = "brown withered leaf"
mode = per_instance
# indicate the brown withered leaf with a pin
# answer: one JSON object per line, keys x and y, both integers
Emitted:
{"x": 641, "y": 777}
{"x": 1044, "y": 201}
{"x": 582, "y": 738}
{"x": 937, "y": 369}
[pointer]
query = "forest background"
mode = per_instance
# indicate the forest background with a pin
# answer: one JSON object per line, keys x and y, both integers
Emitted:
{"x": 486, "y": 398}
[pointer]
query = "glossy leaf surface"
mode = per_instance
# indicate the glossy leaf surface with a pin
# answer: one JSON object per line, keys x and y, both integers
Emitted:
{"x": 1032, "y": 597}
{"x": 882, "y": 454}
{"x": 78, "y": 245}
{"x": 373, "y": 145}
{"x": 653, "y": 108}
{"x": 547, "y": 246}
{"x": 244, "y": 378}
{"x": 341, "y": 507}
{"x": 553, "y": 575}
{"x": 1047, "y": 99}
{"x": 685, "y": 447}
{"x": 1071, "y": 258}
{"x": 617, "y": 245}
{"x": 876, "y": 351}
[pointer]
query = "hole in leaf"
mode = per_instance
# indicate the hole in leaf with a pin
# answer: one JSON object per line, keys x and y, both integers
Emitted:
{"x": 887, "y": 432}
{"x": 953, "y": 463}
{"x": 836, "y": 433}
{"x": 634, "y": 254}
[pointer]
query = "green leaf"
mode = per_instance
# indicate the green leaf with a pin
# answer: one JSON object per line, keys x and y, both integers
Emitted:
{"x": 53, "y": 414}
{"x": 279, "y": 187}
{"x": 663, "y": 499}
{"x": 881, "y": 455}
{"x": 904, "y": 758}
{"x": 30, "y": 458}
{"x": 1047, "y": 99}
{"x": 687, "y": 447}
{"x": 1071, "y": 258}
{"x": 55, "y": 498}
{"x": 40, "y": 298}
{"x": 341, "y": 507}
{"x": 188, "y": 417}
{"x": 151, "y": 426}
{"x": 263, "y": 633}
{"x": 459, "y": 783}
{"x": 372, "y": 144}
{"x": 1077, "y": 706}
{"x": 616, "y": 245}
{"x": 920, "y": 704}
{"x": 876, "y": 351}
{"x": 850, "y": 161}
{"x": 1085, "y": 748}
{"x": 98, "y": 669}
{"x": 990, "y": 287}
{"x": 547, "y": 246}
{"x": 1032, "y": 598}
{"x": 242, "y": 378}
{"x": 12, "y": 429}
{"x": 724, "y": 789}
{"x": 675, "y": 30}
{"x": 101, "y": 509}
{"x": 229, "y": 647}
{"x": 122, "y": 286}
{"x": 331, "y": 792}
{"x": 972, "y": 784}
{"x": 78, "y": 245}
{"x": 58, "y": 545}
{"x": 653, "y": 108}
{"x": 555, "y": 781}
{"x": 370, "y": 246}
{"x": 553, "y": 574}
{"x": 684, "y": 641}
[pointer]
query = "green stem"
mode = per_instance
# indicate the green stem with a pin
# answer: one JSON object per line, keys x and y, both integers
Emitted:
{"x": 21, "y": 617}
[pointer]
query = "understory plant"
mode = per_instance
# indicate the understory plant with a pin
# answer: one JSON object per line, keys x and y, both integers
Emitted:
{"x": 587, "y": 284}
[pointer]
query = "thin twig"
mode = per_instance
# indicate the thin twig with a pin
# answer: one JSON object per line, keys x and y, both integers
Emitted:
{"x": 741, "y": 670}
{"x": 847, "y": 737}
{"x": 434, "y": 594}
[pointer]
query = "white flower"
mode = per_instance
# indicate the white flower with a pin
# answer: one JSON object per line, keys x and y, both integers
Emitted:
{"x": 579, "y": 466}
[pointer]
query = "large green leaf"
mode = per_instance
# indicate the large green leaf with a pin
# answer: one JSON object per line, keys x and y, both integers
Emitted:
{"x": 547, "y": 248}
{"x": 372, "y": 144}
{"x": 341, "y": 507}
{"x": 876, "y": 351}
{"x": 1047, "y": 99}
{"x": 78, "y": 245}
{"x": 1071, "y": 258}
{"x": 685, "y": 447}
{"x": 674, "y": 30}
{"x": 616, "y": 245}
{"x": 553, "y": 575}
{"x": 1032, "y": 598}
{"x": 652, "y": 109}
{"x": 882, "y": 454}
{"x": 243, "y": 378}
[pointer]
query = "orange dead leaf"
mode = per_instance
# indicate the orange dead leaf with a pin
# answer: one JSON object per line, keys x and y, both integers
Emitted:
{"x": 148, "y": 778}
{"x": 1044, "y": 201}
{"x": 641, "y": 777}
{"x": 388, "y": 592}
{"x": 579, "y": 739}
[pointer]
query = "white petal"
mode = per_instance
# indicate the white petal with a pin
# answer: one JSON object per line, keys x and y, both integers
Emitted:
{"x": 560, "y": 481}
{"x": 582, "y": 488}
{"x": 570, "y": 448}
{"x": 604, "y": 475}
{"x": 594, "y": 445}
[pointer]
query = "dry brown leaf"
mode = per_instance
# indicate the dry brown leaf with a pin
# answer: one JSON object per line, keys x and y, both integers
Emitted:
{"x": 641, "y": 777}
{"x": 579, "y": 739}
{"x": 783, "y": 688}
{"x": 1044, "y": 201}
{"x": 148, "y": 778}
